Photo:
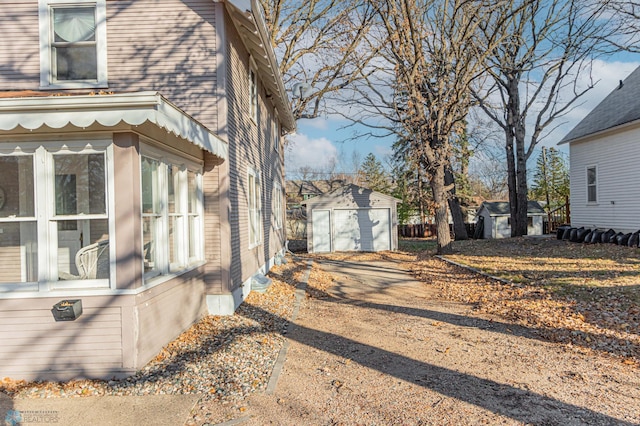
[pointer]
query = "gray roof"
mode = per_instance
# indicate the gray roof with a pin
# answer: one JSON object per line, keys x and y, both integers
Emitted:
{"x": 620, "y": 107}
{"x": 501, "y": 208}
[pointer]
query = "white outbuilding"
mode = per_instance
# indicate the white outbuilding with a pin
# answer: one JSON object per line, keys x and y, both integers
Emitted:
{"x": 495, "y": 219}
{"x": 352, "y": 218}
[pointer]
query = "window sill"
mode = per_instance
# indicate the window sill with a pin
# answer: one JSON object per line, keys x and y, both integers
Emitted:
{"x": 255, "y": 245}
{"x": 77, "y": 85}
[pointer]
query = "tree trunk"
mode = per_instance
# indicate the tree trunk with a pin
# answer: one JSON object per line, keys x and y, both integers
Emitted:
{"x": 511, "y": 180}
{"x": 459, "y": 229}
{"x": 521, "y": 178}
{"x": 440, "y": 201}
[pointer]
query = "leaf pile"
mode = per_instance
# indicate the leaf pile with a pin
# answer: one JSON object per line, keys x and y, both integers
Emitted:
{"x": 584, "y": 295}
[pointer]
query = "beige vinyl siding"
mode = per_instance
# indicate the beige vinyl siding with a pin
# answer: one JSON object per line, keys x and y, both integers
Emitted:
{"x": 88, "y": 346}
{"x": 20, "y": 46}
{"x": 167, "y": 311}
{"x": 250, "y": 146}
{"x": 616, "y": 157}
{"x": 212, "y": 232}
{"x": 168, "y": 46}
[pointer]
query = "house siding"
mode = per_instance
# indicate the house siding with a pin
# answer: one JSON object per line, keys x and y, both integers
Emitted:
{"x": 616, "y": 157}
{"x": 20, "y": 48}
{"x": 166, "y": 311}
{"x": 90, "y": 346}
{"x": 250, "y": 146}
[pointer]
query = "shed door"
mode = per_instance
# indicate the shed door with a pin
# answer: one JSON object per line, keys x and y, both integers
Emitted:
{"x": 362, "y": 230}
{"x": 321, "y": 231}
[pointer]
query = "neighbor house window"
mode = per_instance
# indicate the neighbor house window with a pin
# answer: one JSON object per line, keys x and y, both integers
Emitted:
{"x": 277, "y": 205}
{"x": 171, "y": 214}
{"x": 73, "y": 49}
{"x": 253, "y": 94}
{"x": 592, "y": 184}
{"x": 255, "y": 208}
{"x": 54, "y": 218}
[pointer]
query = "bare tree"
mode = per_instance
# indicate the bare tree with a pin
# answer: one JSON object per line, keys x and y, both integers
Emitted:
{"x": 547, "y": 45}
{"x": 421, "y": 86}
{"x": 319, "y": 44}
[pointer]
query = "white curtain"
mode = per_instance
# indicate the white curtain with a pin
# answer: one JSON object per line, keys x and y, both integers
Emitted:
{"x": 74, "y": 24}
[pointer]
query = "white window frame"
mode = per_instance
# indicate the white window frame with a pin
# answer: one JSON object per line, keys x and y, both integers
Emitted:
{"x": 47, "y": 79}
{"x": 46, "y": 218}
{"x": 254, "y": 207}
{"x": 253, "y": 91}
{"x": 594, "y": 185}
{"x": 276, "y": 195}
{"x": 184, "y": 237}
{"x": 275, "y": 134}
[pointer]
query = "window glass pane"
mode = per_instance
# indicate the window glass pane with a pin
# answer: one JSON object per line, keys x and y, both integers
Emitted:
{"x": 74, "y": 24}
{"x": 193, "y": 192}
{"x": 16, "y": 186}
{"x": 83, "y": 249}
{"x": 80, "y": 184}
{"x": 150, "y": 196}
{"x": 173, "y": 188}
{"x": 591, "y": 176}
{"x": 194, "y": 230}
{"x": 149, "y": 225}
{"x": 18, "y": 252}
{"x": 76, "y": 63}
{"x": 591, "y": 194}
{"x": 175, "y": 227}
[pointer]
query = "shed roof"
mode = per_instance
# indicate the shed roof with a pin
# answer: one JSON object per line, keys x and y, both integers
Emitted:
{"x": 501, "y": 208}
{"x": 620, "y": 107}
{"x": 349, "y": 189}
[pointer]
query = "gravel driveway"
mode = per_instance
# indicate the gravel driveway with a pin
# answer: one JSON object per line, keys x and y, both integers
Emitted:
{"x": 378, "y": 349}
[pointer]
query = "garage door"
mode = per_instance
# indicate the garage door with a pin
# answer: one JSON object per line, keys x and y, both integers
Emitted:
{"x": 321, "y": 231}
{"x": 361, "y": 230}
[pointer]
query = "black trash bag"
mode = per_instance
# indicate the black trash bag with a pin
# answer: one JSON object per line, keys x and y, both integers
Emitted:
{"x": 573, "y": 236}
{"x": 587, "y": 236}
{"x": 596, "y": 236}
{"x": 606, "y": 237}
{"x": 581, "y": 234}
{"x": 567, "y": 234}
{"x": 614, "y": 238}
{"x": 560, "y": 231}
{"x": 624, "y": 240}
{"x": 634, "y": 239}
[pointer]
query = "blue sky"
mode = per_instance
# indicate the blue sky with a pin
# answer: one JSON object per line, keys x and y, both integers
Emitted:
{"x": 320, "y": 141}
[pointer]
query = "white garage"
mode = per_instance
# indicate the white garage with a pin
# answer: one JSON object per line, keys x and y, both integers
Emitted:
{"x": 352, "y": 218}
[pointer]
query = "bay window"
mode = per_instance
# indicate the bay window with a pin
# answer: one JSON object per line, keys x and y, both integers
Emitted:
{"x": 54, "y": 222}
{"x": 171, "y": 214}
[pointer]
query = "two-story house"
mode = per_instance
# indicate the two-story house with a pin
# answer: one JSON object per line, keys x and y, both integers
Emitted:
{"x": 141, "y": 174}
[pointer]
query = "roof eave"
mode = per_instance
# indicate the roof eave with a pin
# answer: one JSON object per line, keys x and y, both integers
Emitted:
{"x": 248, "y": 18}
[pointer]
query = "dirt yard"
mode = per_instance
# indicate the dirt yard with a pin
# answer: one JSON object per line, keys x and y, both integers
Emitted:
{"x": 374, "y": 347}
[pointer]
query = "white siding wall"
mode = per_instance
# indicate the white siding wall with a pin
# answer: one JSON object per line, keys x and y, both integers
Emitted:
{"x": 617, "y": 158}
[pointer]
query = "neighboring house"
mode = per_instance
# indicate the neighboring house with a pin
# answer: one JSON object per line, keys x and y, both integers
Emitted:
{"x": 141, "y": 166}
{"x": 352, "y": 218}
{"x": 299, "y": 191}
{"x": 496, "y": 219}
{"x": 604, "y": 158}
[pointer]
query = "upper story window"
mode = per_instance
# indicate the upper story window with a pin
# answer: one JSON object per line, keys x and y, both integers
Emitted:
{"x": 592, "y": 184}
{"x": 73, "y": 43}
{"x": 253, "y": 94}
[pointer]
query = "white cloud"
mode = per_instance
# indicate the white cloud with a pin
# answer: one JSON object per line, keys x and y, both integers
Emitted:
{"x": 303, "y": 151}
